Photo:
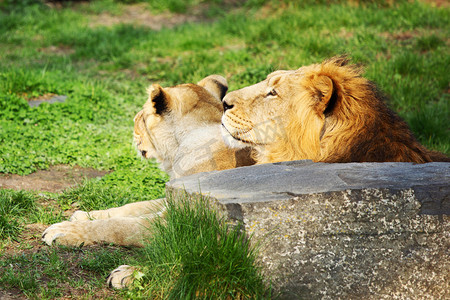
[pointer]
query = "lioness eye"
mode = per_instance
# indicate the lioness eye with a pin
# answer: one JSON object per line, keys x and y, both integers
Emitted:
{"x": 272, "y": 93}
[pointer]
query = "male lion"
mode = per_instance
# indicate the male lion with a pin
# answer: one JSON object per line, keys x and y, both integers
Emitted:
{"x": 324, "y": 112}
{"x": 180, "y": 127}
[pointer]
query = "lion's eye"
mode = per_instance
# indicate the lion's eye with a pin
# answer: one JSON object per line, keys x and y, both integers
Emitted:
{"x": 272, "y": 93}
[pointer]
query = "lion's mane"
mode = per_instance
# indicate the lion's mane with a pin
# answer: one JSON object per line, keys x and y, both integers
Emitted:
{"x": 329, "y": 113}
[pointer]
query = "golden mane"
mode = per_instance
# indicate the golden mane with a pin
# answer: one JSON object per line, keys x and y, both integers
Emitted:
{"x": 330, "y": 113}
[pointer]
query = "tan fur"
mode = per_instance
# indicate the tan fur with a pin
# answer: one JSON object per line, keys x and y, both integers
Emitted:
{"x": 185, "y": 138}
{"x": 180, "y": 127}
{"x": 325, "y": 112}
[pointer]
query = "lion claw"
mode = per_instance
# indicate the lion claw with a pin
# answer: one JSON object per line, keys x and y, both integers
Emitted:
{"x": 64, "y": 233}
{"x": 49, "y": 239}
{"x": 121, "y": 277}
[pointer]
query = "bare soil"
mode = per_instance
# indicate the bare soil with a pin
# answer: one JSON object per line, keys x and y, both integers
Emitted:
{"x": 438, "y": 3}
{"x": 55, "y": 179}
{"x": 139, "y": 14}
{"x": 57, "y": 50}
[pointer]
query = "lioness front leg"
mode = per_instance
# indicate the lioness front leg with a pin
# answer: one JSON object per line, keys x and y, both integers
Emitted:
{"x": 126, "y": 231}
{"x": 128, "y": 210}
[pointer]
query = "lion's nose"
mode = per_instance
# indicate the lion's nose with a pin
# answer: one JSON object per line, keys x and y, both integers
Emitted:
{"x": 227, "y": 106}
{"x": 143, "y": 153}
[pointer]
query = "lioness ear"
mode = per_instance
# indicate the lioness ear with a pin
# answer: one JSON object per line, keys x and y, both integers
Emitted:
{"x": 216, "y": 85}
{"x": 325, "y": 92}
{"x": 139, "y": 124}
{"x": 138, "y": 116}
{"x": 159, "y": 99}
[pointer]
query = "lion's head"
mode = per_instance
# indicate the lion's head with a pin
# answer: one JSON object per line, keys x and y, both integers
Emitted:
{"x": 325, "y": 112}
{"x": 180, "y": 127}
{"x": 169, "y": 112}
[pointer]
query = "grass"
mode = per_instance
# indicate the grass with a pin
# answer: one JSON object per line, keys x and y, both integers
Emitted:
{"x": 195, "y": 253}
{"x": 104, "y": 71}
{"x": 13, "y": 207}
{"x": 56, "y": 272}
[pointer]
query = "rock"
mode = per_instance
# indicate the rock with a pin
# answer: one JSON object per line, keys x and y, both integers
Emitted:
{"x": 352, "y": 231}
{"x": 50, "y": 100}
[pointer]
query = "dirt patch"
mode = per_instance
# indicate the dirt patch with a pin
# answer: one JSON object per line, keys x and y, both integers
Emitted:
{"x": 29, "y": 241}
{"x": 438, "y": 3}
{"x": 139, "y": 14}
{"x": 409, "y": 35}
{"x": 55, "y": 179}
{"x": 400, "y": 36}
{"x": 58, "y": 50}
{"x": 11, "y": 294}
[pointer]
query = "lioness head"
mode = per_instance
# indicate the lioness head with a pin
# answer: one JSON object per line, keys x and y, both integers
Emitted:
{"x": 324, "y": 112}
{"x": 171, "y": 111}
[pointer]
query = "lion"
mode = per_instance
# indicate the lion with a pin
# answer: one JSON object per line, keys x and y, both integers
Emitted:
{"x": 178, "y": 126}
{"x": 324, "y": 112}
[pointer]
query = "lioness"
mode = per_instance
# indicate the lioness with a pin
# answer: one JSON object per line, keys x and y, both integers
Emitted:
{"x": 324, "y": 112}
{"x": 180, "y": 127}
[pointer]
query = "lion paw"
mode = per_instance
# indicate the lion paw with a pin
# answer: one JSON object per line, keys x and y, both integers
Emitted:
{"x": 64, "y": 233}
{"x": 121, "y": 277}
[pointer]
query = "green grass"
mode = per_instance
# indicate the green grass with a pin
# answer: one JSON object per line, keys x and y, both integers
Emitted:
{"x": 195, "y": 253}
{"x": 104, "y": 71}
{"x": 51, "y": 273}
{"x": 13, "y": 207}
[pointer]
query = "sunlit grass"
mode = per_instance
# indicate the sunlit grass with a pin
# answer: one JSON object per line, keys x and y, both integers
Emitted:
{"x": 193, "y": 252}
{"x": 104, "y": 71}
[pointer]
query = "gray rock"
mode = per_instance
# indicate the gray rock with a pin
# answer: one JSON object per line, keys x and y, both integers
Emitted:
{"x": 341, "y": 231}
{"x": 36, "y": 103}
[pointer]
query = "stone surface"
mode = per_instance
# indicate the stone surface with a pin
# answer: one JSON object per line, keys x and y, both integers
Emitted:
{"x": 349, "y": 231}
{"x": 50, "y": 100}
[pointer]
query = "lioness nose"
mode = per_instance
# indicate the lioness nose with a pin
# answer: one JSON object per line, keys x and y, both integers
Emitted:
{"x": 143, "y": 153}
{"x": 227, "y": 106}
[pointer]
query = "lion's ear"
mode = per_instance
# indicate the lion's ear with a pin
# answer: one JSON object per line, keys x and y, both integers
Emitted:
{"x": 216, "y": 85}
{"x": 158, "y": 98}
{"x": 325, "y": 92}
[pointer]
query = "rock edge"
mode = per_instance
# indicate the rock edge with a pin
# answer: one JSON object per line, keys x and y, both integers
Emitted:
{"x": 327, "y": 231}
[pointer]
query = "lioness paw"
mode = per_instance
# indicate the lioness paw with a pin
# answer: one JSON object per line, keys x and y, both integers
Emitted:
{"x": 121, "y": 277}
{"x": 64, "y": 233}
